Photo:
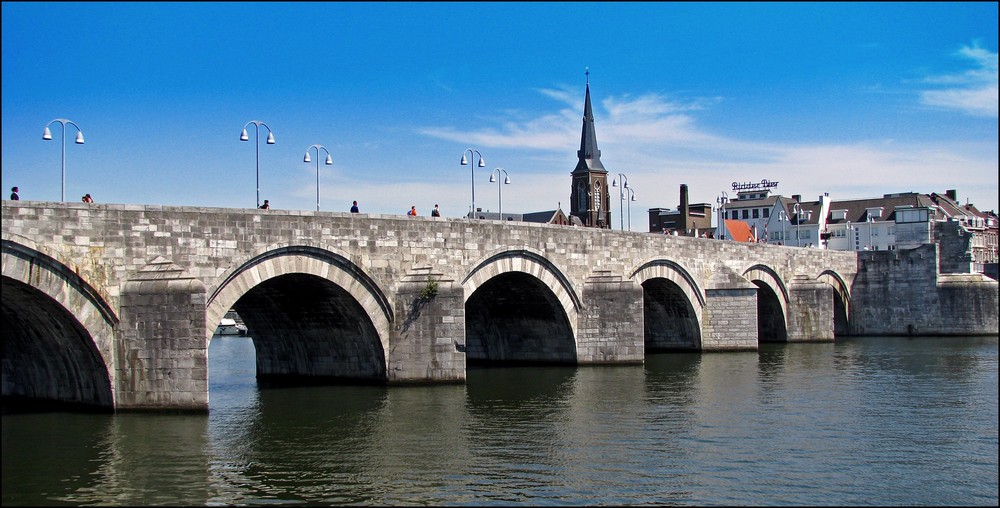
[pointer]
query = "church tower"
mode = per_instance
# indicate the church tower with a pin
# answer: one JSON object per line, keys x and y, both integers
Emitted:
{"x": 590, "y": 199}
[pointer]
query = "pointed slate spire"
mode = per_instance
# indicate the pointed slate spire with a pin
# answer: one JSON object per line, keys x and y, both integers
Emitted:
{"x": 589, "y": 155}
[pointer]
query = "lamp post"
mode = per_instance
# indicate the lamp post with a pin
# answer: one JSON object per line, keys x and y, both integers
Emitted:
{"x": 797, "y": 210}
{"x": 270, "y": 140}
{"x": 782, "y": 218}
{"x": 871, "y": 223}
{"x": 629, "y": 206}
{"x": 850, "y": 236}
{"x": 329, "y": 162}
{"x": 621, "y": 196}
{"x": 722, "y": 200}
{"x": 47, "y": 136}
{"x": 506, "y": 181}
{"x": 482, "y": 164}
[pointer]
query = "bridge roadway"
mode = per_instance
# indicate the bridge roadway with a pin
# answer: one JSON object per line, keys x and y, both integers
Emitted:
{"x": 115, "y": 305}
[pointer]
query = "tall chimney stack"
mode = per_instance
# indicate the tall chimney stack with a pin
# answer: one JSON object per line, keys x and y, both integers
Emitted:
{"x": 684, "y": 210}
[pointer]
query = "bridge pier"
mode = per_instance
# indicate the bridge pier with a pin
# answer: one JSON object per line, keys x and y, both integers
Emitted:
{"x": 610, "y": 324}
{"x": 810, "y": 310}
{"x": 160, "y": 344}
{"x": 729, "y": 321}
{"x": 427, "y": 344}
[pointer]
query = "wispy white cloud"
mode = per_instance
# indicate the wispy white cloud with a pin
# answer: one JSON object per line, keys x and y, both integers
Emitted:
{"x": 659, "y": 144}
{"x": 641, "y": 120}
{"x": 974, "y": 91}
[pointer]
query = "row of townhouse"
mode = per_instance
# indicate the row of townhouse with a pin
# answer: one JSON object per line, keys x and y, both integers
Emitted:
{"x": 901, "y": 220}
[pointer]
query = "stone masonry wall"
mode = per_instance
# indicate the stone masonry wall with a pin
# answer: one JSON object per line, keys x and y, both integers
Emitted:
{"x": 161, "y": 347}
{"x": 810, "y": 313}
{"x": 899, "y": 293}
{"x": 158, "y": 267}
{"x": 107, "y": 245}
{"x": 954, "y": 247}
{"x": 730, "y": 320}
{"x": 428, "y": 339}
{"x": 611, "y": 327}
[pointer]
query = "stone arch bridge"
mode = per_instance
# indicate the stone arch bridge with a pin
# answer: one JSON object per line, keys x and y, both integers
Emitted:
{"x": 115, "y": 305}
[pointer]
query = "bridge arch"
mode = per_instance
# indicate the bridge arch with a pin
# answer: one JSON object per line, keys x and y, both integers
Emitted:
{"x": 673, "y": 305}
{"x": 841, "y": 301}
{"x": 311, "y": 312}
{"x": 520, "y": 307}
{"x": 772, "y": 303}
{"x": 58, "y": 330}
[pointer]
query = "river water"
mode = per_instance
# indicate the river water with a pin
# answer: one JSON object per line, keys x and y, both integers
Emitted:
{"x": 863, "y": 421}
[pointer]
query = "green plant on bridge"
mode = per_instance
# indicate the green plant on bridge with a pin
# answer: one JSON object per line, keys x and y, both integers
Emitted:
{"x": 430, "y": 290}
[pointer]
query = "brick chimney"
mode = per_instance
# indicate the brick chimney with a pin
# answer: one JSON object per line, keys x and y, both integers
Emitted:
{"x": 952, "y": 194}
{"x": 683, "y": 209}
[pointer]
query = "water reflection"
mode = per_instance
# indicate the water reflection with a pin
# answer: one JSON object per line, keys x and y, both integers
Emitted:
{"x": 888, "y": 421}
{"x": 65, "y": 446}
{"x": 133, "y": 455}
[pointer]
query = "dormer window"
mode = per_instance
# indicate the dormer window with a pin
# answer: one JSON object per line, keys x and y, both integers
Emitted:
{"x": 838, "y": 214}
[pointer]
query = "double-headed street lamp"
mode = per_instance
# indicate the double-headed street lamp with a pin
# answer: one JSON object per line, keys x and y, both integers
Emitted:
{"x": 722, "y": 200}
{"x": 329, "y": 162}
{"x": 629, "y": 206}
{"x": 270, "y": 141}
{"x": 506, "y": 181}
{"x": 482, "y": 164}
{"x": 621, "y": 196}
{"x": 47, "y": 136}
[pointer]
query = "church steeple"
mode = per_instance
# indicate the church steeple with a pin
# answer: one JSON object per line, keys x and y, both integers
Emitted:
{"x": 589, "y": 155}
{"x": 589, "y": 197}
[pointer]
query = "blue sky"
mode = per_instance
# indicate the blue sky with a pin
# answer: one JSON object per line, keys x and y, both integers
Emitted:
{"x": 854, "y": 99}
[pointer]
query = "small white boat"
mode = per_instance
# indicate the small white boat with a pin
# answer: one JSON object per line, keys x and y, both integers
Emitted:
{"x": 229, "y": 326}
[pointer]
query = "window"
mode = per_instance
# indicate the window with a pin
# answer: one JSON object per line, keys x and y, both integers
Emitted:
{"x": 767, "y": 212}
{"x": 746, "y": 214}
{"x": 912, "y": 215}
{"x": 756, "y": 213}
